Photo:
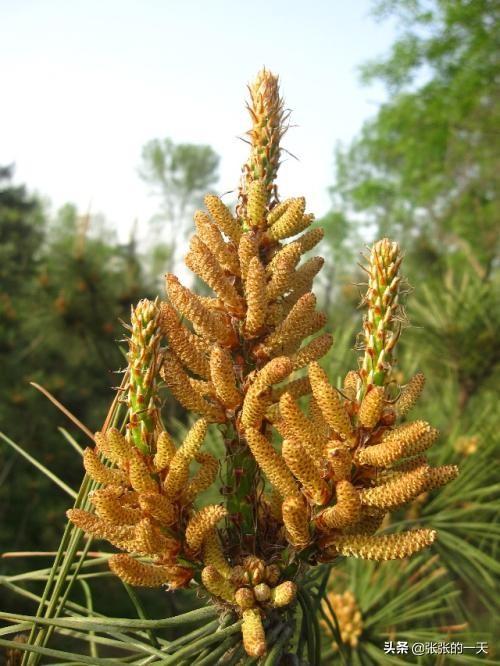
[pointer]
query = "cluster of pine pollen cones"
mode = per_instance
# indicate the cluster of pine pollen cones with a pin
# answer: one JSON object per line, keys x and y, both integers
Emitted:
{"x": 297, "y": 487}
{"x": 145, "y": 505}
{"x": 344, "y": 609}
{"x": 225, "y": 355}
{"x": 253, "y": 588}
{"x": 352, "y": 465}
{"x": 347, "y": 463}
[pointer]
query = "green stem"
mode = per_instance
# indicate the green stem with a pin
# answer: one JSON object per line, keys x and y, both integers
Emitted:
{"x": 334, "y": 628}
{"x": 314, "y": 643}
{"x": 187, "y": 638}
{"x": 105, "y": 623}
{"x": 201, "y": 643}
{"x": 90, "y": 607}
{"x": 50, "y": 475}
{"x": 216, "y": 654}
{"x": 69, "y": 530}
{"x": 59, "y": 654}
{"x": 74, "y": 609}
{"x": 241, "y": 474}
{"x": 140, "y": 612}
{"x": 276, "y": 651}
{"x": 307, "y": 633}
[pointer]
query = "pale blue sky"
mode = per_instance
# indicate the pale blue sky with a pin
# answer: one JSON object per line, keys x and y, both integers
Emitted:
{"x": 86, "y": 83}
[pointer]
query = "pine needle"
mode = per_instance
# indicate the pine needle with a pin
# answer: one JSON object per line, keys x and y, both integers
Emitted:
{"x": 63, "y": 409}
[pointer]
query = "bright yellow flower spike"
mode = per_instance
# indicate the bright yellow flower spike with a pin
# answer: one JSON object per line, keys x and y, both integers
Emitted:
{"x": 191, "y": 349}
{"x": 134, "y": 572}
{"x": 223, "y": 377}
{"x": 178, "y": 382}
{"x": 158, "y": 507}
{"x": 217, "y": 585}
{"x": 203, "y": 478}
{"x": 121, "y": 536}
{"x": 306, "y": 471}
{"x": 291, "y": 222}
{"x": 210, "y": 325}
{"x": 204, "y": 264}
{"x": 256, "y": 204}
{"x": 213, "y": 555}
{"x": 312, "y": 351}
{"x": 140, "y": 475}
{"x": 109, "y": 507}
{"x": 284, "y": 594}
{"x": 225, "y": 253}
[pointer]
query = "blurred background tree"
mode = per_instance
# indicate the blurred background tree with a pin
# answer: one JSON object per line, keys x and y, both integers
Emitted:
{"x": 424, "y": 170}
{"x": 66, "y": 283}
{"x": 179, "y": 175}
{"x": 22, "y": 229}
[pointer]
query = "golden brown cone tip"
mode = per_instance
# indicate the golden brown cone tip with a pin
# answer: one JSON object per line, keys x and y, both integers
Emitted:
{"x": 263, "y": 78}
{"x": 268, "y": 126}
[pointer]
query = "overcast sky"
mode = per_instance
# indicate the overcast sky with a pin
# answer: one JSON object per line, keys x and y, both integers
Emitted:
{"x": 85, "y": 84}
